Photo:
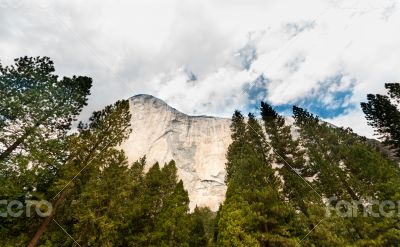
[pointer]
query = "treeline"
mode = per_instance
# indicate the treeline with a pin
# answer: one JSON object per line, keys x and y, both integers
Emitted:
{"x": 281, "y": 189}
{"x": 282, "y": 181}
{"x": 97, "y": 198}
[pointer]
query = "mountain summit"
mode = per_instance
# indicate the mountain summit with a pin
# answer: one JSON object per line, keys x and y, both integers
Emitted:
{"x": 198, "y": 145}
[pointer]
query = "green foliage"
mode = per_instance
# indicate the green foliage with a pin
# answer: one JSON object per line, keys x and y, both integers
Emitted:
{"x": 172, "y": 221}
{"x": 383, "y": 114}
{"x": 36, "y": 111}
{"x": 248, "y": 166}
{"x": 290, "y": 160}
{"x": 284, "y": 205}
{"x": 98, "y": 198}
{"x": 349, "y": 168}
{"x": 276, "y": 184}
{"x": 235, "y": 224}
{"x": 162, "y": 214}
{"x": 254, "y": 212}
{"x": 393, "y": 91}
{"x": 202, "y": 228}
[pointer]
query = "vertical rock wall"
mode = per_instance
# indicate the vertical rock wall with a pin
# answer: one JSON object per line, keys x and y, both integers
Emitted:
{"x": 198, "y": 144}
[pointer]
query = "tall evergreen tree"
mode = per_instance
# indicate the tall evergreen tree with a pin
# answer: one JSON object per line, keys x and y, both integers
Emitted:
{"x": 235, "y": 149}
{"x": 87, "y": 150}
{"x": 275, "y": 220}
{"x": 383, "y": 114}
{"x": 248, "y": 166}
{"x": 235, "y": 223}
{"x": 36, "y": 111}
{"x": 289, "y": 158}
{"x": 202, "y": 227}
{"x": 163, "y": 218}
{"x": 346, "y": 167}
{"x": 36, "y": 106}
{"x": 254, "y": 212}
{"x": 323, "y": 151}
{"x": 98, "y": 214}
{"x": 171, "y": 228}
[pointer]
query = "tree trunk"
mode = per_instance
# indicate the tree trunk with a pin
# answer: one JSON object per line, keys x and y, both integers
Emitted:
{"x": 348, "y": 188}
{"x": 21, "y": 139}
{"x": 47, "y": 220}
{"x": 60, "y": 199}
{"x": 11, "y": 148}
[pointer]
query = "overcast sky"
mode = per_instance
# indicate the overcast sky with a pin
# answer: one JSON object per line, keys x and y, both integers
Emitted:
{"x": 211, "y": 57}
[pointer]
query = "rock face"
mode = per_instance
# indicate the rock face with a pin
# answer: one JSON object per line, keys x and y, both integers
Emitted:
{"x": 198, "y": 145}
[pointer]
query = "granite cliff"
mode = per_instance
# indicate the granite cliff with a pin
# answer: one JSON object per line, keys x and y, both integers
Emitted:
{"x": 198, "y": 145}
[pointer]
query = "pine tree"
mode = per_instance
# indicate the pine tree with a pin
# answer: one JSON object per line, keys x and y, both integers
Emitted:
{"x": 291, "y": 164}
{"x": 99, "y": 213}
{"x": 202, "y": 222}
{"x": 248, "y": 165}
{"x": 235, "y": 223}
{"x": 36, "y": 111}
{"x": 323, "y": 151}
{"x": 197, "y": 231}
{"x": 236, "y": 148}
{"x": 257, "y": 157}
{"x": 348, "y": 168}
{"x": 171, "y": 228}
{"x": 87, "y": 150}
{"x": 163, "y": 217}
{"x": 275, "y": 220}
{"x": 289, "y": 158}
{"x": 36, "y": 106}
{"x": 252, "y": 195}
{"x": 383, "y": 115}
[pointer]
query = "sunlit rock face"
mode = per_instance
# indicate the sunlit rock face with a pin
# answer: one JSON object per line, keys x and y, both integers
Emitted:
{"x": 198, "y": 144}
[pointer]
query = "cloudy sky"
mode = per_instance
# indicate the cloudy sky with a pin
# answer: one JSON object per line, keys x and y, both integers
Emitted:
{"x": 211, "y": 57}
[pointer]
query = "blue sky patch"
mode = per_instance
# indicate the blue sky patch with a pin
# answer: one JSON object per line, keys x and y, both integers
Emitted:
{"x": 256, "y": 92}
{"x": 247, "y": 55}
{"x": 327, "y": 101}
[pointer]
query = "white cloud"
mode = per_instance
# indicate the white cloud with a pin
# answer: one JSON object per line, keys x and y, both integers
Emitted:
{"x": 149, "y": 46}
{"x": 352, "y": 119}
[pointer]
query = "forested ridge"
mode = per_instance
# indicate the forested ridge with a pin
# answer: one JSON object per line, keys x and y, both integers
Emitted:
{"x": 283, "y": 189}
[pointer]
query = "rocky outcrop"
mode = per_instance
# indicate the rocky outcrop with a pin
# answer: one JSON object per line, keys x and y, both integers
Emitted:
{"x": 198, "y": 144}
